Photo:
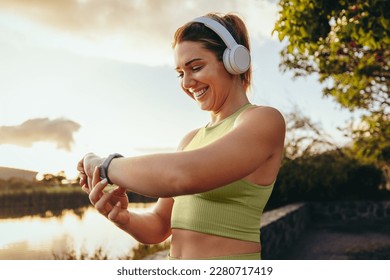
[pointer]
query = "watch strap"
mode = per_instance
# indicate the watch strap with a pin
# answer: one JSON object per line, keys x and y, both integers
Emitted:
{"x": 104, "y": 167}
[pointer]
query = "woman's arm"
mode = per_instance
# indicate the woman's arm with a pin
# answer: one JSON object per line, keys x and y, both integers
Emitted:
{"x": 257, "y": 135}
{"x": 148, "y": 228}
{"x": 153, "y": 227}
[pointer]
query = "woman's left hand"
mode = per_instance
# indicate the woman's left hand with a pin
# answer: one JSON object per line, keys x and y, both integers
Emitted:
{"x": 86, "y": 167}
{"x": 112, "y": 204}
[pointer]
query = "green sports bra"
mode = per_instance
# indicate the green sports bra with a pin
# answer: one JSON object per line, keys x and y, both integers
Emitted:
{"x": 233, "y": 210}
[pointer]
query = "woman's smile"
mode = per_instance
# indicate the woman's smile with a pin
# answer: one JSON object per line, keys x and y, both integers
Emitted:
{"x": 198, "y": 94}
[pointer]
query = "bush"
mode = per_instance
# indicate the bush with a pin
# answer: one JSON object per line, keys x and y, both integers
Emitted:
{"x": 328, "y": 176}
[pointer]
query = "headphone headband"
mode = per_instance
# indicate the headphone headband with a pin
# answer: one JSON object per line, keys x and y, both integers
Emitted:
{"x": 218, "y": 28}
{"x": 236, "y": 58}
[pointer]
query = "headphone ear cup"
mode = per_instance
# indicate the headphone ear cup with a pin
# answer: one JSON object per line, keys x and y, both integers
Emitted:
{"x": 226, "y": 61}
{"x": 240, "y": 59}
{"x": 236, "y": 60}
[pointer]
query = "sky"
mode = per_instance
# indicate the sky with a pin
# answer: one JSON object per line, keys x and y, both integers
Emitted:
{"x": 79, "y": 76}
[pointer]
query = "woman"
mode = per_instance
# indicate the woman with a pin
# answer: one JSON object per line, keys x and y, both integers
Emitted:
{"x": 213, "y": 190}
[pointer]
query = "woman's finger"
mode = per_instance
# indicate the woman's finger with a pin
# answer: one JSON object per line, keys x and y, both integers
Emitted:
{"x": 114, "y": 212}
{"x": 120, "y": 191}
{"x": 80, "y": 166}
{"x": 96, "y": 176}
{"x": 103, "y": 205}
{"x": 103, "y": 209}
{"x": 89, "y": 183}
{"x": 97, "y": 192}
{"x": 83, "y": 179}
{"x": 85, "y": 189}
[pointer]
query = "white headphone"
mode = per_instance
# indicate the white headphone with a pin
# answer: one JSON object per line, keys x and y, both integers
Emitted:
{"x": 236, "y": 57}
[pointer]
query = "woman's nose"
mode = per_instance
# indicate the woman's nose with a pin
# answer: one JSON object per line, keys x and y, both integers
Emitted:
{"x": 188, "y": 81}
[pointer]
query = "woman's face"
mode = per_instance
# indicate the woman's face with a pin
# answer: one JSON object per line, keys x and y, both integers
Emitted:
{"x": 202, "y": 75}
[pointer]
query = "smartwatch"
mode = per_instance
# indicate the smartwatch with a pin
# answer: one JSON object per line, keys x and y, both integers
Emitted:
{"x": 104, "y": 167}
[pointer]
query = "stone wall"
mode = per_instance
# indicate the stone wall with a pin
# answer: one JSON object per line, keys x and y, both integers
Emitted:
{"x": 281, "y": 227}
{"x": 350, "y": 210}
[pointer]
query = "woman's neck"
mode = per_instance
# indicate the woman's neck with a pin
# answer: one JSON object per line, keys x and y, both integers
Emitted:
{"x": 231, "y": 105}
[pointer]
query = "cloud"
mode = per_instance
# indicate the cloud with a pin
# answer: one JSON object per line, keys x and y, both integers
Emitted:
{"x": 139, "y": 30}
{"x": 59, "y": 131}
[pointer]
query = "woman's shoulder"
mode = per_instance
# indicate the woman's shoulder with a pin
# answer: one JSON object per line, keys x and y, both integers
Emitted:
{"x": 264, "y": 122}
{"x": 261, "y": 114}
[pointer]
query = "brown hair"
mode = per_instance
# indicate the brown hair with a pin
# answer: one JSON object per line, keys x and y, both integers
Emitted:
{"x": 198, "y": 32}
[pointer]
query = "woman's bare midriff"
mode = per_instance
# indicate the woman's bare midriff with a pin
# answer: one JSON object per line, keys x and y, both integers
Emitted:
{"x": 186, "y": 244}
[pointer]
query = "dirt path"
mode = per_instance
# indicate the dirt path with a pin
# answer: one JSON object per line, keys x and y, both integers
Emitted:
{"x": 352, "y": 240}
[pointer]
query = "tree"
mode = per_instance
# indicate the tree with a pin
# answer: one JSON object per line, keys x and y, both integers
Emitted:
{"x": 304, "y": 137}
{"x": 52, "y": 179}
{"x": 347, "y": 43}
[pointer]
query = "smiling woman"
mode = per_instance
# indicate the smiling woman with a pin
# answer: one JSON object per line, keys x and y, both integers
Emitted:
{"x": 213, "y": 190}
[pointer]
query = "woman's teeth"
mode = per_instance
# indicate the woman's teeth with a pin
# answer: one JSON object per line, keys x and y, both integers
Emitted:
{"x": 200, "y": 93}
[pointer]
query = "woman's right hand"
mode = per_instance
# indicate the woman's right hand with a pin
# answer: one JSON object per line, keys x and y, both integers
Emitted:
{"x": 113, "y": 204}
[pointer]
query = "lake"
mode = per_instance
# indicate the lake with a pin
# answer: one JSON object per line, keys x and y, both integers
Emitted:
{"x": 51, "y": 236}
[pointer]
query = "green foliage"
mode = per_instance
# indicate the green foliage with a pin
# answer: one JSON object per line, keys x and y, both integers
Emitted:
{"x": 372, "y": 138}
{"x": 347, "y": 43}
{"x": 332, "y": 175}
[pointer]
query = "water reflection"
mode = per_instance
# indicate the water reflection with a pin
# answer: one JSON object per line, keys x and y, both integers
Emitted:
{"x": 53, "y": 235}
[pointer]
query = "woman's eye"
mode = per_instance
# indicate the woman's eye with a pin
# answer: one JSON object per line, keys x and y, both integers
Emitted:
{"x": 193, "y": 69}
{"x": 196, "y": 68}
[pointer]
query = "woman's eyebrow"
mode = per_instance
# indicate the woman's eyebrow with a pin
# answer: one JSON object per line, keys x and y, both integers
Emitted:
{"x": 192, "y": 60}
{"x": 189, "y": 62}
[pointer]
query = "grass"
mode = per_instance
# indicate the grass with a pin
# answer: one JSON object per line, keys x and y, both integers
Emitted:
{"x": 144, "y": 250}
{"x": 138, "y": 253}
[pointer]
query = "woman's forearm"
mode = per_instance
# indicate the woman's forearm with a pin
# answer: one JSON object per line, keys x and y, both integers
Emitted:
{"x": 147, "y": 228}
{"x": 159, "y": 175}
